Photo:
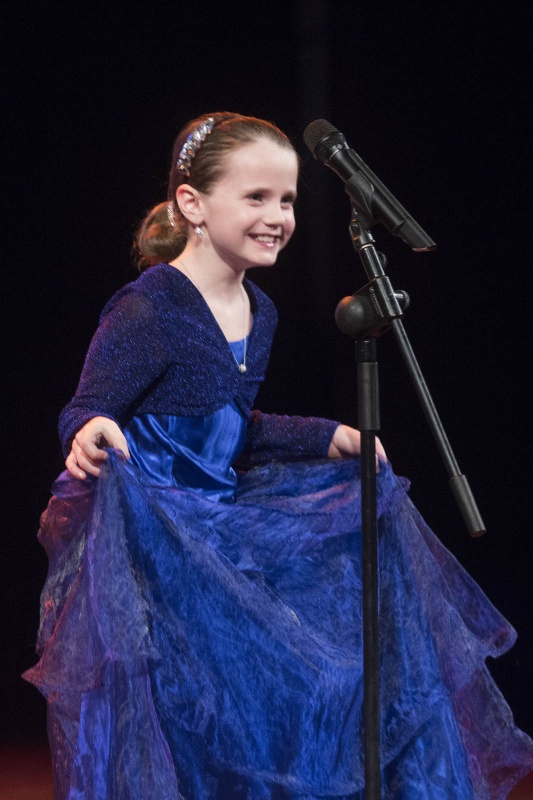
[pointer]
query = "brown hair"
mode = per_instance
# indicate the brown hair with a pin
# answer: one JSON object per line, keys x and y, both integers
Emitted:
{"x": 156, "y": 239}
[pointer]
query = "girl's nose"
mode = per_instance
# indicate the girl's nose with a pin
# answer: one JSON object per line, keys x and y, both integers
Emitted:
{"x": 274, "y": 216}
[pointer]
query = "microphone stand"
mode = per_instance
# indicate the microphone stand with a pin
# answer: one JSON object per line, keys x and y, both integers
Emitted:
{"x": 365, "y": 316}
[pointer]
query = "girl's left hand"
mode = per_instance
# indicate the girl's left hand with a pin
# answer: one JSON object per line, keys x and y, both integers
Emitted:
{"x": 347, "y": 442}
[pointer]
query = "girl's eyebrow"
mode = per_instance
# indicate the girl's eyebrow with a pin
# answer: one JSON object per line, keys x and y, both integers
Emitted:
{"x": 258, "y": 190}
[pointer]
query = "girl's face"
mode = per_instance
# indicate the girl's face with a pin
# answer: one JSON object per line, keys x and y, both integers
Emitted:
{"x": 249, "y": 213}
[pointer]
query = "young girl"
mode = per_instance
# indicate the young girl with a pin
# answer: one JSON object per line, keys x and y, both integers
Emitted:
{"x": 201, "y": 627}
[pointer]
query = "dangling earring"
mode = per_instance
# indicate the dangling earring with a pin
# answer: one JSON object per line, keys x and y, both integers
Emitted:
{"x": 170, "y": 213}
{"x": 198, "y": 231}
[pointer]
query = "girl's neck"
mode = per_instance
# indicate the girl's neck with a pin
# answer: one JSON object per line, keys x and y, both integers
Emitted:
{"x": 211, "y": 276}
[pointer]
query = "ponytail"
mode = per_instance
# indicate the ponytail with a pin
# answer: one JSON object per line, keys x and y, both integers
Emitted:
{"x": 156, "y": 239}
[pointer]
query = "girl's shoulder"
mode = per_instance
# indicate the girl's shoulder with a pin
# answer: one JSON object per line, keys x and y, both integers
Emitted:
{"x": 153, "y": 289}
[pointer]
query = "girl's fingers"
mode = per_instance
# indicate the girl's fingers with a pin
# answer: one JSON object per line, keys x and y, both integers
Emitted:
{"x": 380, "y": 451}
{"x": 87, "y": 452}
{"x": 73, "y": 467}
{"x": 79, "y": 462}
{"x": 87, "y": 448}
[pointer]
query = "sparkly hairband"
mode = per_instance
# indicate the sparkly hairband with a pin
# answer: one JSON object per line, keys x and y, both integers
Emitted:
{"x": 192, "y": 143}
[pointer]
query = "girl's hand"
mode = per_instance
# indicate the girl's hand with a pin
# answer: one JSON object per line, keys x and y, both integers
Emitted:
{"x": 347, "y": 442}
{"x": 86, "y": 454}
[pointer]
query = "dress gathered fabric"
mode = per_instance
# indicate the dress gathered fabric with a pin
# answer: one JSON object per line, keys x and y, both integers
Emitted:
{"x": 206, "y": 643}
{"x": 201, "y": 631}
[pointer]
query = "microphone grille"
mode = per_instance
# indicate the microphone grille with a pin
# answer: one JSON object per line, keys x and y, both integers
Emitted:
{"x": 318, "y": 130}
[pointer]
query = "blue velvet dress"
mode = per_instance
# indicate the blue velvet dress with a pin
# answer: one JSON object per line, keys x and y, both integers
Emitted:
{"x": 201, "y": 633}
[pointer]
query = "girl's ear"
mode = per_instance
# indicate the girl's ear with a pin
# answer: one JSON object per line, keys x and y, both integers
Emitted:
{"x": 189, "y": 203}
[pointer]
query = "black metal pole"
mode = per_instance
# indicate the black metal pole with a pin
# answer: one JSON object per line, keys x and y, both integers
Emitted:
{"x": 369, "y": 424}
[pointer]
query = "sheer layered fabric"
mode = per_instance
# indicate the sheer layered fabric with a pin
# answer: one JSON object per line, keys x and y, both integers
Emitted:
{"x": 201, "y": 633}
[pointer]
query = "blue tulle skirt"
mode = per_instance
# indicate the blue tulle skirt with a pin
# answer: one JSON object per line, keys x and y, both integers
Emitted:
{"x": 209, "y": 650}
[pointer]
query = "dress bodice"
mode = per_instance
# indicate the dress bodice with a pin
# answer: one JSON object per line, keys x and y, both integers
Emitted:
{"x": 190, "y": 452}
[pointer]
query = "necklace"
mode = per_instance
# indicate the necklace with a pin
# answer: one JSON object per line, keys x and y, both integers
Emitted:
{"x": 242, "y": 365}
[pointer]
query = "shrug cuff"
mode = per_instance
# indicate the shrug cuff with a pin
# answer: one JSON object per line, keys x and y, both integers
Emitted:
{"x": 273, "y": 436}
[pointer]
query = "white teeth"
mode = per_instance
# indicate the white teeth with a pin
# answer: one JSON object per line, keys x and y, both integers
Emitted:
{"x": 270, "y": 239}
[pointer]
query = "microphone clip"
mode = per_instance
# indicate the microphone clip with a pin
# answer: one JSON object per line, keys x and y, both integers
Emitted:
{"x": 369, "y": 312}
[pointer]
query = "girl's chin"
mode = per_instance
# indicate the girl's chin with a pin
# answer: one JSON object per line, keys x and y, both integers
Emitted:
{"x": 265, "y": 258}
{"x": 262, "y": 264}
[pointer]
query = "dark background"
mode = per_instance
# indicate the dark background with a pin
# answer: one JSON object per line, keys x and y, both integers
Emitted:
{"x": 435, "y": 96}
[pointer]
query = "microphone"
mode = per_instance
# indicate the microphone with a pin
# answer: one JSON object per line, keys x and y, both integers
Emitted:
{"x": 365, "y": 189}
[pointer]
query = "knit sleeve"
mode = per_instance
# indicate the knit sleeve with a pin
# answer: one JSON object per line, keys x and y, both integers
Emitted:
{"x": 128, "y": 353}
{"x": 271, "y": 436}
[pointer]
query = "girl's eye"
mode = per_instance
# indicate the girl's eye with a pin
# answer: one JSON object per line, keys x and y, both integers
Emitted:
{"x": 256, "y": 196}
{"x": 288, "y": 201}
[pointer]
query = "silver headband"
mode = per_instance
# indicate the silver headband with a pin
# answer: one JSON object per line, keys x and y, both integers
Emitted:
{"x": 193, "y": 141}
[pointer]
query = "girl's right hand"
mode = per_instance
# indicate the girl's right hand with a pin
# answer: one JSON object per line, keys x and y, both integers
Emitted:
{"x": 87, "y": 454}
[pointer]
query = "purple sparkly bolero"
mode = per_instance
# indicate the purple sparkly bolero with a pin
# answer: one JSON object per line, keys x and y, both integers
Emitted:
{"x": 159, "y": 350}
